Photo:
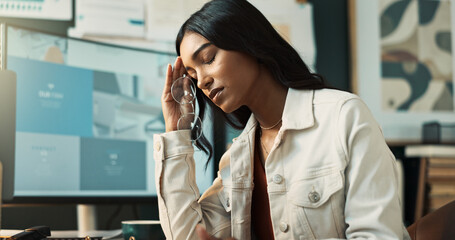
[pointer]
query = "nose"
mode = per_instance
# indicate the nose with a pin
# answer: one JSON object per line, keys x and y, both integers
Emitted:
{"x": 204, "y": 82}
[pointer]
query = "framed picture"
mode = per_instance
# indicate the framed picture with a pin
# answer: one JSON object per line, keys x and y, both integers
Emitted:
{"x": 403, "y": 63}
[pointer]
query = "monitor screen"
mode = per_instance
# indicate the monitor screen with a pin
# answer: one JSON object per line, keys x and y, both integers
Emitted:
{"x": 86, "y": 113}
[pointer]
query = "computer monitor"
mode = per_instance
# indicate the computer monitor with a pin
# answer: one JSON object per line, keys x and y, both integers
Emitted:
{"x": 85, "y": 114}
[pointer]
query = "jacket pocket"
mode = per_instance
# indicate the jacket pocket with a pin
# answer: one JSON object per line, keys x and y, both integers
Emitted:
{"x": 317, "y": 206}
{"x": 314, "y": 192}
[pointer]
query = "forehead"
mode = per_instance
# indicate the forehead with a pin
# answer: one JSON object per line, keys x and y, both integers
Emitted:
{"x": 190, "y": 43}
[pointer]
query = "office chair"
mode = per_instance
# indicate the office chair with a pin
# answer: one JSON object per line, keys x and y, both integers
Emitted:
{"x": 435, "y": 225}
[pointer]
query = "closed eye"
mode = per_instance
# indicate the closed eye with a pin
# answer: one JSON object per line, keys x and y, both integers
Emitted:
{"x": 211, "y": 60}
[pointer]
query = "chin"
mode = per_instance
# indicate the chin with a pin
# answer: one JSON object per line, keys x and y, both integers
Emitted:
{"x": 225, "y": 108}
{"x": 228, "y": 109}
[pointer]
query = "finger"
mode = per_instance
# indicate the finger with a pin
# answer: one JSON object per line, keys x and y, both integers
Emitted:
{"x": 182, "y": 68}
{"x": 188, "y": 88}
{"x": 176, "y": 70}
{"x": 202, "y": 233}
{"x": 168, "y": 83}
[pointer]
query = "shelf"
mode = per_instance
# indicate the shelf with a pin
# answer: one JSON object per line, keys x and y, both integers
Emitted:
{"x": 435, "y": 151}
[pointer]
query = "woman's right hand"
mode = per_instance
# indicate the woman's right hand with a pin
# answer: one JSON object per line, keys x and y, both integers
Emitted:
{"x": 204, "y": 235}
{"x": 171, "y": 108}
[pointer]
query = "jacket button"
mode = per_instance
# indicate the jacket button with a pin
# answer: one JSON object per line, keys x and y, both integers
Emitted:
{"x": 314, "y": 197}
{"x": 277, "y": 179}
{"x": 157, "y": 146}
{"x": 283, "y": 227}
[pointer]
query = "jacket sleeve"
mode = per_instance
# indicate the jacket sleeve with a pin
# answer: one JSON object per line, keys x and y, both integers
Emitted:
{"x": 373, "y": 209}
{"x": 180, "y": 206}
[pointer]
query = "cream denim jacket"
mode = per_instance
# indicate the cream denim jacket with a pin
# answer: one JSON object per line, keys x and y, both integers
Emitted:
{"x": 330, "y": 175}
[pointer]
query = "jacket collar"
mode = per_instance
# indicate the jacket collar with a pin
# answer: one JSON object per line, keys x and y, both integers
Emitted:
{"x": 297, "y": 113}
{"x": 298, "y": 109}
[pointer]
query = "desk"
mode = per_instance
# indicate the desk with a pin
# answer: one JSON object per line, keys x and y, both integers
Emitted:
{"x": 437, "y": 172}
{"x": 71, "y": 234}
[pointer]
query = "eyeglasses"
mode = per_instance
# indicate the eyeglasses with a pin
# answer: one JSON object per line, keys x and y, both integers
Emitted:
{"x": 183, "y": 91}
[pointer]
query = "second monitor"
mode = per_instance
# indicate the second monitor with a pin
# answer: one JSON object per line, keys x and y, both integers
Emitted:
{"x": 85, "y": 117}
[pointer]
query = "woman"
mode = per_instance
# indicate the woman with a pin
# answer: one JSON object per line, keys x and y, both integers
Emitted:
{"x": 311, "y": 162}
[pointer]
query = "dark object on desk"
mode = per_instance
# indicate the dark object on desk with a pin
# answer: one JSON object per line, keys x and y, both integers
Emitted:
{"x": 431, "y": 132}
{"x": 437, "y": 225}
{"x": 74, "y": 238}
{"x": 43, "y": 233}
{"x": 436, "y": 133}
{"x": 34, "y": 233}
{"x": 142, "y": 230}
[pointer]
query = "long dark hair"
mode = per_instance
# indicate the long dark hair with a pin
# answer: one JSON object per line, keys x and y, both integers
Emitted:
{"x": 237, "y": 25}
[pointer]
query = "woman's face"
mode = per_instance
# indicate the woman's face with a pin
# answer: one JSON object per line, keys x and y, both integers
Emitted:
{"x": 226, "y": 77}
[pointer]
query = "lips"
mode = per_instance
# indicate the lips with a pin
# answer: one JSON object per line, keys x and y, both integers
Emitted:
{"x": 214, "y": 92}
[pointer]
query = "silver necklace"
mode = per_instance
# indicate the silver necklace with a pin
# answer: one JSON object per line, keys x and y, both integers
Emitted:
{"x": 274, "y": 125}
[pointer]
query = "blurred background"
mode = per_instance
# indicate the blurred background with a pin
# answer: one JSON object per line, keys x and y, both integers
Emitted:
{"x": 395, "y": 54}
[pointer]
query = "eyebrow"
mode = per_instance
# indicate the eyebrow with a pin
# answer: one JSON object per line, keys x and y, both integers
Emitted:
{"x": 200, "y": 49}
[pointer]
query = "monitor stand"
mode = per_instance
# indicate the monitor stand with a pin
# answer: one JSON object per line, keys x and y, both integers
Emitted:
{"x": 86, "y": 217}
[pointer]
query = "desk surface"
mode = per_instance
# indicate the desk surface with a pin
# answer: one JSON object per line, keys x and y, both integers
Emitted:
{"x": 108, "y": 234}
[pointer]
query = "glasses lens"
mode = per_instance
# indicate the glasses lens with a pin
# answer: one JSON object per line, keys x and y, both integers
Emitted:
{"x": 183, "y": 90}
{"x": 192, "y": 122}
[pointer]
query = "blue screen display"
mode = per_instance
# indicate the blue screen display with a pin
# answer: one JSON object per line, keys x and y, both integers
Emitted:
{"x": 59, "y": 102}
{"x": 85, "y": 117}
